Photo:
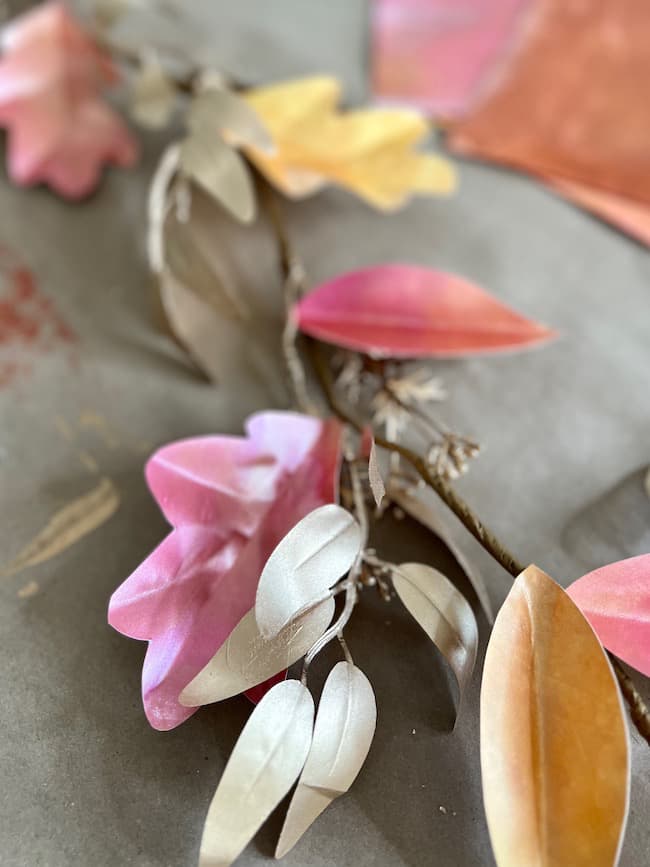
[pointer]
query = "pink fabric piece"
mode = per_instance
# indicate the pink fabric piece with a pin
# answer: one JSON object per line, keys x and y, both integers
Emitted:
{"x": 615, "y": 599}
{"x": 60, "y": 131}
{"x": 442, "y": 55}
{"x": 404, "y": 311}
{"x": 230, "y": 501}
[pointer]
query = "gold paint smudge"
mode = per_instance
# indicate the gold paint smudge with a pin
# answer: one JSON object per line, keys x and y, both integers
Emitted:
{"x": 70, "y": 524}
{"x": 88, "y": 418}
{"x": 28, "y": 590}
{"x": 64, "y": 428}
{"x": 89, "y": 462}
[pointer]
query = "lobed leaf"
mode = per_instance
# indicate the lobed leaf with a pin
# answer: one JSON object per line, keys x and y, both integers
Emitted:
{"x": 443, "y": 613}
{"x": 554, "y": 743}
{"x": 305, "y": 564}
{"x": 405, "y": 311}
{"x": 344, "y": 729}
{"x": 264, "y": 764}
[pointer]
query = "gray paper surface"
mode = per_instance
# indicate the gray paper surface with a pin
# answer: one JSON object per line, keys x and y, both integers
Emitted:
{"x": 565, "y": 434}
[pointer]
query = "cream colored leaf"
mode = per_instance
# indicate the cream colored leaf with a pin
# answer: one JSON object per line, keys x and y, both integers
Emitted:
{"x": 67, "y": 526}
{"x": 220, "y": 171}
{"x": 217, "y": 111}
{"x": 194, "y": 323}
{"x": 554, "y": 741}
{"x": 302, "y": 568}
{"x": 423, "y": 512}
{"x": 444, "y": 614}
{"x": 344, "y": 729}
{"x": 153, "y": 95}
{"x": 264, "y": 764}
{"x": 374, "y": 476}
{"x": 247, "y": 658}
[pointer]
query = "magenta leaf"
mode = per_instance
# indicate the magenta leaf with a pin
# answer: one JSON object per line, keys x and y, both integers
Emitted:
{"x": 230, "y": 501}
{"x": 406, "y": 311}
{"x": 615, "y": 599}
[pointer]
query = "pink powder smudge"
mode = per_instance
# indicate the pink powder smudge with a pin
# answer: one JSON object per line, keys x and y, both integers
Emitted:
{"x": 30, "y": 324}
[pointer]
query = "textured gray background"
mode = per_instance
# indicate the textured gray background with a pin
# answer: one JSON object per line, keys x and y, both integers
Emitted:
{"x": 565, "y": 429}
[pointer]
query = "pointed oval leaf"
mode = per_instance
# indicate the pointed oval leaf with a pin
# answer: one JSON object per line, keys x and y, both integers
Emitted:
{"x": 306, "y": 563}
{"x": 433, "y": 520}
{"x": 217, "y": 110}
{"x": 404, "y": 311}
{"x": 221, "y": 172}
{"x": 264, "y": 764}
{"x": 247, "y": 658}
{"x": 374, "y": 476}
{"x": 615, "y": 599}
{"x": 344, "y": 729}
{"x": 444, "y": 614}
{"x": 554, "y": 743}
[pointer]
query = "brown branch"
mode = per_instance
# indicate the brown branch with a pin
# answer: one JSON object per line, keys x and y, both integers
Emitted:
{"x": 454, "y": 501}
{"x": 639, "y": 712}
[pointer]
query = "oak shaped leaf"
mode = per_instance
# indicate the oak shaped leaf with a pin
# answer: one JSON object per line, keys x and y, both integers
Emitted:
{"x": 230, "y": 500}
{"x": 371, "y": 152}
{"x": 61, "y": 132}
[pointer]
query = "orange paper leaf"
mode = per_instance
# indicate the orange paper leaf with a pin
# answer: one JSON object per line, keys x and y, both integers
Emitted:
{"x": 554, "y": 744}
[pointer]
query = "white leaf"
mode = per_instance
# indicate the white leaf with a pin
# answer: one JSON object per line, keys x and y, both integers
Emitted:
{"x": 433, "y": 520}
{"x": 220, "y": 171}
{"x": 444, "y": 614}
{"x": 307, "y": 562}
{"x": 247, "y": 658}
{"x": 219, "y": 111}
{"x": 374, "y": 476}
{"x": 344, "y": 729}
{"x": 153, "y": 95}
{"x": 264, "y": 764}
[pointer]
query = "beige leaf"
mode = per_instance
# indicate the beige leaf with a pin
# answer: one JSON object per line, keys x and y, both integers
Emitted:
{"x": 264, "y": 764}
{"x": 444, "y": 614}
{"x": 554, "y": 742}
{"x": 247, "y": 658}
{"x": 217, "y": 111}
{"x": 302, "y": 568}
{"x": 374, "y": 476}
{"x": 220, "y": 171}
{"x": 153, "y": 95}
{"x": 344, "y": 729}
{"x": 68, "y": 526}
{"x": 194, "y": 323}
{"x": 435, "y": 520}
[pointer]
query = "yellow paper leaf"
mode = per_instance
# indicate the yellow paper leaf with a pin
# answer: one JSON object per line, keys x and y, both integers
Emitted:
{"x": 370, "y": 151}
{"x": 554, "y": 743}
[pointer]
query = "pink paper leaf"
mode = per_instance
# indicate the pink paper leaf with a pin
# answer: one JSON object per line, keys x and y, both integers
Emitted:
{"x": 615, "y": 599}
{"x": 60, "y": 130}
{"x": 230, "y": 501}
{"x": 442, "y": 55}
{"x": 405, "y": 311}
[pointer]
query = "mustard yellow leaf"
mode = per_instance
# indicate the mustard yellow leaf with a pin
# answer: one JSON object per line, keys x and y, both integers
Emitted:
{"x": 554, "y": 743}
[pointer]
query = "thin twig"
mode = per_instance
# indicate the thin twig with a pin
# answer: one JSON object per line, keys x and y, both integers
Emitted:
{"x": 485, "y": 537}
